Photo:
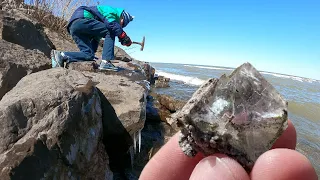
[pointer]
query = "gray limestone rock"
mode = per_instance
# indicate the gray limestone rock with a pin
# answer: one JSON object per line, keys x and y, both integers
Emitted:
{"x": 124, "y": 89}
{"x": 126, "y": 97}
{"x": 17, "y": 62}
{"x": 240, "y": 115}
{"x": 51, "y": 126}
{"x": 19, "y": 29}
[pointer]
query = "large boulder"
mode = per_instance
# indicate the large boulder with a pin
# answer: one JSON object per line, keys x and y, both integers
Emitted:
{"x": 17, "y": 62}
{"x": 51, "y": 125}
{"x": 125, "y": 91}
{"x": 18, "y": 29}
{"x": 127, "y": 97}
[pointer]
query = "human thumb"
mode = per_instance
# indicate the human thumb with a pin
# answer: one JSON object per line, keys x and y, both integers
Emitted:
{"x": 218, "y": 167}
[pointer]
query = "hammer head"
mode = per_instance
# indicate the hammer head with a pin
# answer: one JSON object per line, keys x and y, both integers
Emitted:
{"x": 142, "y": 43}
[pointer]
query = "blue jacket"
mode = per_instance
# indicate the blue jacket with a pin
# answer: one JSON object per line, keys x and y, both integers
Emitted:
{"x": 108, "y": 15}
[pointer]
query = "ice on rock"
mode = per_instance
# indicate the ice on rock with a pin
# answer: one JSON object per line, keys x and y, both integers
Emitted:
{"x": 133, "y": 150}
{"x": 134, "y": 142}
{"x": 139, "y": 140}
{"x": 135, "y": 136}
{"x": 240, "y": 115}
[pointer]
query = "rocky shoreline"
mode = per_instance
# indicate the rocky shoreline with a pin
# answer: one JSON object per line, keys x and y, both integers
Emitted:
{"x": 62, "y": 122}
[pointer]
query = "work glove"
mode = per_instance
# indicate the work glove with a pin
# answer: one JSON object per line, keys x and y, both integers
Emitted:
{"x": 125, "y": 39}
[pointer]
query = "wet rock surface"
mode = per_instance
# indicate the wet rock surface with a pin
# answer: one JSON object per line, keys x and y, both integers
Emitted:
{"x": 241, "y": 115}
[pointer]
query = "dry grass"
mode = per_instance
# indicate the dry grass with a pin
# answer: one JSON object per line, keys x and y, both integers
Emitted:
{"x": 54, "y": 14}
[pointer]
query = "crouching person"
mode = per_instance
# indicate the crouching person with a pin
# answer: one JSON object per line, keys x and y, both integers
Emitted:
{"x": 87, "y": 26}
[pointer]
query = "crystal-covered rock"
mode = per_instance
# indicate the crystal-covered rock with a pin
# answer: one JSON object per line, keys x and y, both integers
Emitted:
{"x": 240, "y": 115}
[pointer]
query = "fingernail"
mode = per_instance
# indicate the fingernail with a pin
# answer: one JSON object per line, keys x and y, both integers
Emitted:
{"x": 212, "y": 168}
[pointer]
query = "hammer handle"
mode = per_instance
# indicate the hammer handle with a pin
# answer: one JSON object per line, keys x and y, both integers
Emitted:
{"x": 136, "y": 42}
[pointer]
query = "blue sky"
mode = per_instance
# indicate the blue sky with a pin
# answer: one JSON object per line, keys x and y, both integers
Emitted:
{"x": 280, "y": 36}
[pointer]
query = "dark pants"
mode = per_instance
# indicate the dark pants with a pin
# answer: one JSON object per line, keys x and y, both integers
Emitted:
{"x": 85, "y": 32}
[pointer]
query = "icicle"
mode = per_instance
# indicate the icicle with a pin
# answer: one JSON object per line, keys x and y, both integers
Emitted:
{"x": 131, "y": 151}
{"x": 139, "y": 139}
{"x": 134, "y": 142}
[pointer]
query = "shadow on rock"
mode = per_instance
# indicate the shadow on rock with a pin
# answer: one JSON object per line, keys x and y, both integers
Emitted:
{"x": 115, "y": 137}
{"x": 28, "y": 167}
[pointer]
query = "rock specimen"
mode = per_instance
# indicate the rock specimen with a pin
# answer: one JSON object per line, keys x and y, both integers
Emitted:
{"x": 240, "y": 115}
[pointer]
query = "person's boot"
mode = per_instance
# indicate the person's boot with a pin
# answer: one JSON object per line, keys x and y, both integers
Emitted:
{"x": 107, "y": 65}
{"x": 57, "y": 59}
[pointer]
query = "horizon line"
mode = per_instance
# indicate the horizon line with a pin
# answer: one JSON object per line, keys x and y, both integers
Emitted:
{"x": 235, "y": 68}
